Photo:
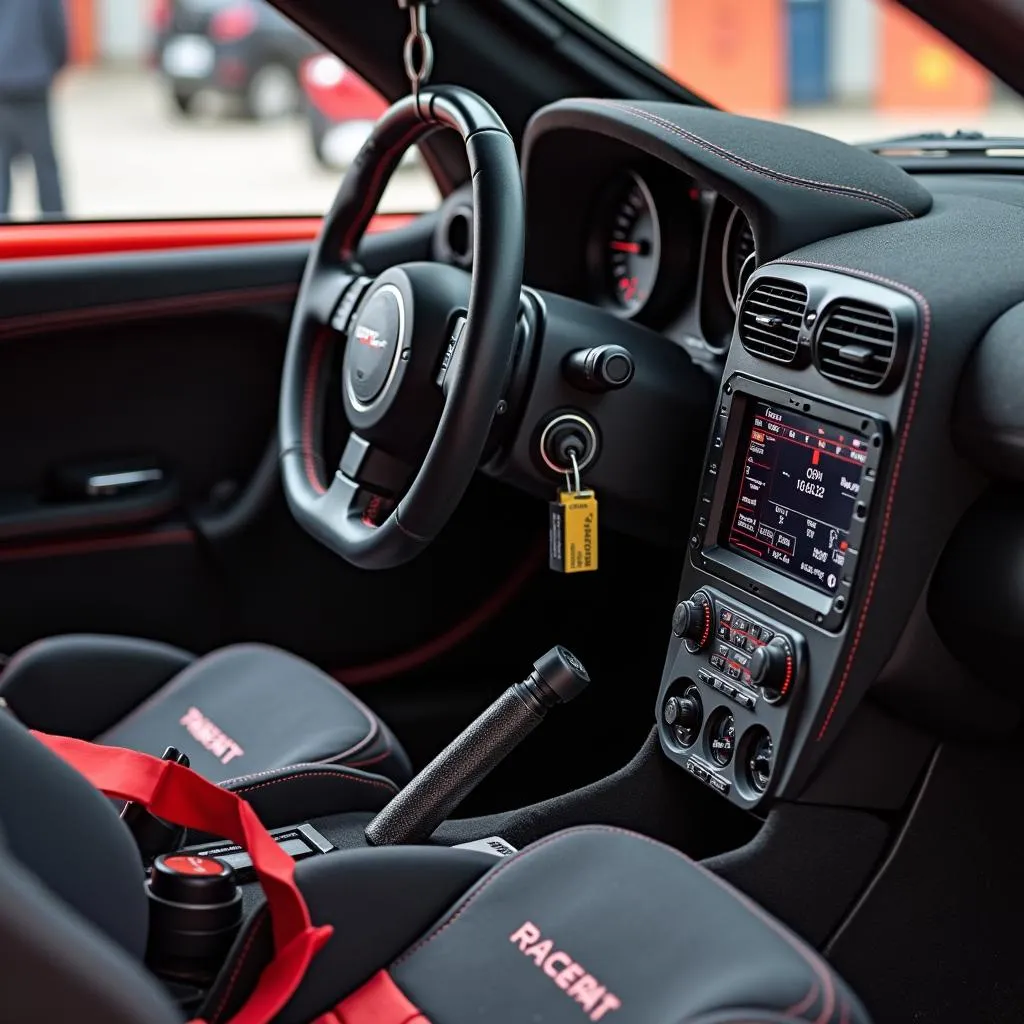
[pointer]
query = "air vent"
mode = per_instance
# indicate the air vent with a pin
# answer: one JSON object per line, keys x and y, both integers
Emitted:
{"x": 770, "y": 319}
{"x": 856, "y": 344}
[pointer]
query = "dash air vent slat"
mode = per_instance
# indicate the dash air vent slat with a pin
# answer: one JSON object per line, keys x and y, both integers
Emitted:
{"x": 857, "y": 344}
{"x": 770, "y": 319}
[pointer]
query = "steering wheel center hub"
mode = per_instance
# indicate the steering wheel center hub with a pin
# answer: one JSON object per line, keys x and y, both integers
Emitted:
{"x": 376, "y": 344}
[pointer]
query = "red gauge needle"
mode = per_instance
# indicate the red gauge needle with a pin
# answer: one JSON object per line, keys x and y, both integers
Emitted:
{"x": 635, "y": 248}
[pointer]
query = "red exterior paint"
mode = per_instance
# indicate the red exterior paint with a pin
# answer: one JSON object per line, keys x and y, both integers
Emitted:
{"x": 37, "y": 241}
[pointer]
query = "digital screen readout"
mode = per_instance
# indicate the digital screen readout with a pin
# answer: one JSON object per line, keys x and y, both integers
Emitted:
{"x": 798, "y": 482}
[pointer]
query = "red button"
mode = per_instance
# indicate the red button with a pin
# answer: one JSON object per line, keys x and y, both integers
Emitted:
{"x": 194, "y": 865}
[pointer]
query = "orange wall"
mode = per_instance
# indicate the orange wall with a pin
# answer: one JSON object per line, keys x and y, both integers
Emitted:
{"x": 920, "y": 69}
{"x": 82, "y": 30}
{"x": 733, "y": 52}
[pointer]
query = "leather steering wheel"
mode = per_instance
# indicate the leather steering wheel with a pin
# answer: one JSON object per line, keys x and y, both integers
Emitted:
{"x": 426, "y": 351}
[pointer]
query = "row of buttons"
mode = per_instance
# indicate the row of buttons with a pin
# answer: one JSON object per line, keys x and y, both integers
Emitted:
{"x": 735, "y": 664}
{"x": 707, "y": 776}
{"x": 740, "y": 633}
{"x": 744, "y": 699}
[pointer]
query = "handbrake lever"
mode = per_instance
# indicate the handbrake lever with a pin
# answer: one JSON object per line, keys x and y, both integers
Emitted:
{"x": 415, "y": 812}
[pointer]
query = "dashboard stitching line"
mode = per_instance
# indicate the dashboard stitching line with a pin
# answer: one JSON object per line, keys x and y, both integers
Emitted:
{"x": 847, "y": 191}
{"x": 926, "y": 315}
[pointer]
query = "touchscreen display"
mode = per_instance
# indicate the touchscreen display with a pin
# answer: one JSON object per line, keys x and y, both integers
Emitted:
{"x": 797, "y": 485}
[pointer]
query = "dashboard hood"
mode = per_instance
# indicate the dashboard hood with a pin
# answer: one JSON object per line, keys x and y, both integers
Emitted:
{"x": 795, "y": 187}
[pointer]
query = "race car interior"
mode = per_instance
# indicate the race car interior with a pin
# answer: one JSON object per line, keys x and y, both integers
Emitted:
{"x": 764, "y": 382}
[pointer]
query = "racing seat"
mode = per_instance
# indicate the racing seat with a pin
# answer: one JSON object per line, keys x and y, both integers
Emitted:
{"x": 589, "y": 924}
{"x": 240, "y": 711}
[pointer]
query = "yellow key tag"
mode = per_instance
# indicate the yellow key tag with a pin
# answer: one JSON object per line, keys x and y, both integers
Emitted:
{"x": 573, "y": 532}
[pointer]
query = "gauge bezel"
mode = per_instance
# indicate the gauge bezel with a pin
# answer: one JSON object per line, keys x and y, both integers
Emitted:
{"x": 730, "y": 226}
{"x": 678, "y": 222}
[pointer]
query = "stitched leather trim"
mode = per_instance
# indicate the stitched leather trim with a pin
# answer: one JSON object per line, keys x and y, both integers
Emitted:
{"x": 257, "y": 927}
{"x": 140, "y": 309}
{"x": 818, "y": 966}
{"x": 337, "y": 774}
{"x": 782, "y": 178}
{"x": 355, "y": 228}
{"x": 901, "y": 450}
{"x": 312, "y": 460}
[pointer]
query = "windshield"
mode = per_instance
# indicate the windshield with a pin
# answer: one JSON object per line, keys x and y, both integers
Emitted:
{"x": 859, "y": 70}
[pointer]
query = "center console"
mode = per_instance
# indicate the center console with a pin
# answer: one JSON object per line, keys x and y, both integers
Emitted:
{"x": 778, "y": 550}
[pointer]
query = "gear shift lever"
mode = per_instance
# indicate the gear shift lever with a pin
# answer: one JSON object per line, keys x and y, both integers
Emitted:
{"x": 415, "y": 812}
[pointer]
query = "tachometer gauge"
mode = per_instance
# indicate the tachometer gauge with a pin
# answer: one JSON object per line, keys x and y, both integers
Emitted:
{"x": 643, "y": 245}
{"x": 737, "y": 256}
{"x": 633, "y": 244}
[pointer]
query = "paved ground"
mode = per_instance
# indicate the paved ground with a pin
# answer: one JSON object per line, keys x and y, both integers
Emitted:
{"x": 126, "y": 155}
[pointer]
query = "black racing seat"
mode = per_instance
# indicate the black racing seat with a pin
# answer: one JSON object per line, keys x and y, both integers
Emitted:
{"x": 240, "y": 711}
{"x": 590, "y": 924}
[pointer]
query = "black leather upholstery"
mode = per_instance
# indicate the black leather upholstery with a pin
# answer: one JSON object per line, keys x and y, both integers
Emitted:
{"x": 52, "y": 820}
{"x": 241, "y": 710}
{"x": 82, "y": 684}
{"x": 661, "y": 939}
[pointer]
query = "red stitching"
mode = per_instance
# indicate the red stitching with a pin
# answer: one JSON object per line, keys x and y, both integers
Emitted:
{"x": 171, "y": 305}
{"x": 309, "y": 454}
{"x": 817, "y": 965}
{"x": 371, "y": 760}
{"x": 256, "y": 928}
{"x": 926, "y": 317}
{"x": 849, "y": 191}
{"x": 372, "y": 196}
{"x": 379, "y": 783}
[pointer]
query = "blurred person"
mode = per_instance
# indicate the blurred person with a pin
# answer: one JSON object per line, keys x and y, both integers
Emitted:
{"x": 33, "y": 49}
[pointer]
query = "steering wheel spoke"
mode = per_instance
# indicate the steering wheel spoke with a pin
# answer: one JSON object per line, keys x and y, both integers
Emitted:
{"x": 333, "y": 292}
{"x": 375, "y": 469}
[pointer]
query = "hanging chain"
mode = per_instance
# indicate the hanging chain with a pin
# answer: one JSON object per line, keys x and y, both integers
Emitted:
{"x": 418, "y": 51}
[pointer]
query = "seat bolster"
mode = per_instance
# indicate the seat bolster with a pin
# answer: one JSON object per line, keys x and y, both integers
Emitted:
{"x": 288, "y": 796}
{"x": 81, "y": 684}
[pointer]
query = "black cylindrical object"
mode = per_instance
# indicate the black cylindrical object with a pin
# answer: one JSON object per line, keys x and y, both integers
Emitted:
{"x": 153, "y": 835}
{"x": 195, "y": 910}
{"x": 415, "y": 812}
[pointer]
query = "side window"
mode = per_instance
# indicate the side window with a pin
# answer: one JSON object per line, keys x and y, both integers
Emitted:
{"x": 135, "y": 109}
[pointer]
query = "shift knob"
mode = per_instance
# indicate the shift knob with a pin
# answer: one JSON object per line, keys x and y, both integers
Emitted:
{"x": 415, "y": 812}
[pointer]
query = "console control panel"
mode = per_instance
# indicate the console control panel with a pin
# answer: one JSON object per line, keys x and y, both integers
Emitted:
{"x": 724, "y": 703}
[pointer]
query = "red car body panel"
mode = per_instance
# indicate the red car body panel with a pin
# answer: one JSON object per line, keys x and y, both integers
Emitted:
{"x": 37, "y": 241}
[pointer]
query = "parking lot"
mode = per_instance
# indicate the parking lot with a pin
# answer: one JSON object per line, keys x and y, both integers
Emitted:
{"x": 125, "y": 154}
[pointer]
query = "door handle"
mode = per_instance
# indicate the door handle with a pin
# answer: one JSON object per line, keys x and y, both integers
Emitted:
{"x": 107, "y": 485}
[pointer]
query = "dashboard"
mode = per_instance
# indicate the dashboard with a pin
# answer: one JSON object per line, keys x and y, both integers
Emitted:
{"x": 844, "y": 312}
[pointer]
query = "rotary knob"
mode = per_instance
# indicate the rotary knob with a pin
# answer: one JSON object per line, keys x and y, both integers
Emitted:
{"x": 684, "y": 716}
{"x": 772, "y": 668}
{"x": 691, "y": 622}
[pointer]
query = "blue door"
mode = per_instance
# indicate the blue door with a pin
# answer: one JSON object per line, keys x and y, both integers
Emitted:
{"x": 808, "y": 51}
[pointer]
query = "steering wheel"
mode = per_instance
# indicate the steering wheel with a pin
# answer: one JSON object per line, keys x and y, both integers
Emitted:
{"x": 426, "y": 350}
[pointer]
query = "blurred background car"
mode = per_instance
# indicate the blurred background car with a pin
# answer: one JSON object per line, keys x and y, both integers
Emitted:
{"x": 342, "y": 110}
{"x": 242, "y": 50}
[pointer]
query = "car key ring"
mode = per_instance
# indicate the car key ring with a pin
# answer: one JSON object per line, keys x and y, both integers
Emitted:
{"x": 417, "y": 45}
{"x": 575, "y": 471}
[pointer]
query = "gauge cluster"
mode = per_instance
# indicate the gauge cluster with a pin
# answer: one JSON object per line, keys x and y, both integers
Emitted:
{"x": 644, "y": 245}
{"x": 639, "y": 238}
